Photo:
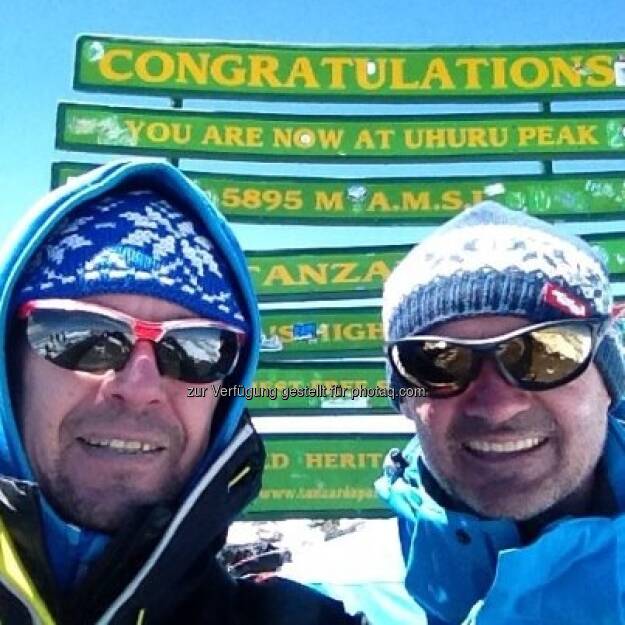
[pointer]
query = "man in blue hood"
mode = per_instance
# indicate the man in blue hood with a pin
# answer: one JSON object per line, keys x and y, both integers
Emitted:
{"x": 502, "y": 349}
{"x": 130, "y": 329}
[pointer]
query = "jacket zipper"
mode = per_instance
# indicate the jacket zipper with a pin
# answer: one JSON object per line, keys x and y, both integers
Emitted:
{"x": 245, "y": 433}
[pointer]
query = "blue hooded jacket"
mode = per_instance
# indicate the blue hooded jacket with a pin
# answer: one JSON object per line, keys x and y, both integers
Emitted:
{"x": 462, "y": 569}
{"x": 71, "y": 548}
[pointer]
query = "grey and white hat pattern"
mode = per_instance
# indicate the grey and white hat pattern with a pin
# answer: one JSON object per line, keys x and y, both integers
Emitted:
{"x": 493, "y": 260}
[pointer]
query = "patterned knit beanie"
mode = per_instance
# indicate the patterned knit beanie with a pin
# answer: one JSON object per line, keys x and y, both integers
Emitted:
{"x": 134, "y": 242}
{"x": 490, "y": 260}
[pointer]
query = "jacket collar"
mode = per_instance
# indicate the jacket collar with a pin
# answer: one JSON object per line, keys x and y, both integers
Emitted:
{"x": 451, "y": 556}
{"x": 155, "y": 551}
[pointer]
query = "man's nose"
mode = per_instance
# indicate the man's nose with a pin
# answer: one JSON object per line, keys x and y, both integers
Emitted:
{"x": 139, "y": 381}
{"x": 492, "y": 398}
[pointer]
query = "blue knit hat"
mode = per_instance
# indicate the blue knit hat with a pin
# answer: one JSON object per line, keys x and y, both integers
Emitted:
{"x": 490, "y": 260}
{"x": 134, "y": 242}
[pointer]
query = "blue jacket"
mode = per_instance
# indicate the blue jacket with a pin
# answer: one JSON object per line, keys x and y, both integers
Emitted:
{"x": 462, "y": 569}
{"x": 161, "y": 567}
{"x": 71, "y": 548}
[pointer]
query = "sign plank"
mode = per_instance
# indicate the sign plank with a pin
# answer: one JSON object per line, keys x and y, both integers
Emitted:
{"x": 323, "y": 476}
{"x": 389, "y": 201}
{"x": 213, "y": 69}
{"x": 335, "y": 273}
{"x": 342, "y": 387}
{"x": 320, "y": 332}
{"x": 200, "y": 134}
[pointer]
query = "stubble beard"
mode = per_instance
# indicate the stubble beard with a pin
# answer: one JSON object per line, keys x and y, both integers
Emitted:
{"x": 105, "y": 508}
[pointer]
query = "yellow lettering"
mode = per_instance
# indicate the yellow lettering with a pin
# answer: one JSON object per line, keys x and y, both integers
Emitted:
{"x": 285, "y": 332}
{"x": 353, "y": 332}
{"x": 318, "y": 275}
{"x": 580, "y": 134}
{"x": 282, "y": 137}
{"x": 337, "y": 66}
{"x": 413, "y": 138}
{"x": 135, "y": 126}
{"x": 499, "y": 72}
{"x": 304, "y": 138}
{"x": 375, "y": 459}
{"x": 539, "y": 69}
{"x": 307, "y": 137}
{"x": 347, "y": 461}
{"x": 602, "y": 71}
{"x": 472, "y": 65}
{"x": 197, "y": 67}
{"x": 384, "y": 135}
{"x": 180, "y": 137}
{"x": 366, "y": 69}
{"x": 375, "y": 331}
{"x": 566, "y": 136}
{"x": 415, "y": 201}
{"x": 452, "y": 200}
{"x": 254, "y": 137}
{"x": 331, "y": 460}
{"x": 364, "y": 140}
{"x": 158, "y": 132}
{"x": 302, "y": 71}
{"x": 212, "y": 135}
{"x": 498, "y": 137}
{"x": 277, "y": 460}
{"x": 226, "y": 70}
{"x": 379, "y": 200}
{"x": 233, "y": 135}
{"x": 586, "y": 135}
{"x": 476, "y": 137}
{"x": 435, "y": 137}
{"x": 378, "y": 269}
{"x": 344, "y": 270}
{"x": 526, "y": 134}
{"x": 477, "y": 196}
{"x": 437, "y": 71}
{"x": 263, "y": 68}
{"x": 563, "y": 69}
{"x": 330, "y": 137}
{"x": 280, "y": 274}
{"x": 329, "y": 201}
{"x": 160, "y": 71}
{"x": 106, "y": 68}
{"x": 398, "y": 78}
{"x": 314, "y": 461}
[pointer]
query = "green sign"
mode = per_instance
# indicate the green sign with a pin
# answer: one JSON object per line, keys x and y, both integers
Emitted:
{"x": 326, "y": 273}
{"x": 390, "y": 201}
{"x": 331, "y": 273}
{"x": 198, "y": 134}
{"x": 209, "y": 69}
{"x": 321, "y": 387}
{"x": 315, "y": 332}
{"x": 323, "y": 476}
{"x": 332, "y": 332}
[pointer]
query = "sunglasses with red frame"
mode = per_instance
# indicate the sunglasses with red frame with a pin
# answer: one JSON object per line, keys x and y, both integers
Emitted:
{"x": 81, "y": 336}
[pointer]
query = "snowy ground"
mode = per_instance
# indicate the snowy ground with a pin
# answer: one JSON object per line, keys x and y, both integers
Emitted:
{"x": 355, "y": 560}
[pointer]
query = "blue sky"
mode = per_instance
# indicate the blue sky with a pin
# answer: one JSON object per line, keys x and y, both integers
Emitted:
{"x": 37, "y": 47}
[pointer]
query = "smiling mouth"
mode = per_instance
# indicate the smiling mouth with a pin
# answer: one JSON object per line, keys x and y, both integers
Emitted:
{"x": 501, "y": 448}
{"x": 121, "y": 446}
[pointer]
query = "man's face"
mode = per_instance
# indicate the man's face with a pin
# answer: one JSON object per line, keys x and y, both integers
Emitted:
{"x": 75, "y": 425}
{"x": 504, "y": 451}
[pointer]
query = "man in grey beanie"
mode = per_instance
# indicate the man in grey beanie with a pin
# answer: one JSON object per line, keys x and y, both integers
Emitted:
{"x": 502, "y": 348}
